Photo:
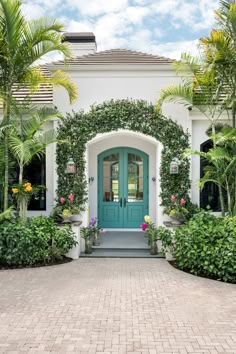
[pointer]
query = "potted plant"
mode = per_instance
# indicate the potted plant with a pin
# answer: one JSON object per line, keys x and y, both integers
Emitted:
{"x": 149, "y": 227}
{"x": 75, "y": 214}
{"x": 87, "y": 236}
{"x": 177, "y": 210}
{"x": 23, "y": 192}
{"x": 96, "y": 231}
{"x": 66, "y": 215}
{"x": 167, "y": 242}
{"x": 69, "y": 204}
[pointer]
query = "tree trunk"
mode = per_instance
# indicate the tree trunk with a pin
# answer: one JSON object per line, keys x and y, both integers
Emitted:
{"x": 6, "y": 120}
{"x": 228, "y": 198}
{"x": 21, "y": 173}
{"x": 222, "y": 204}
{"x": 234, "y": 116}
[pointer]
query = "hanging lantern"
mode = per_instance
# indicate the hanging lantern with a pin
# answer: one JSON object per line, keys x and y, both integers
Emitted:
{"x": 70, "y": 166}
{"x": 174, "y": 167}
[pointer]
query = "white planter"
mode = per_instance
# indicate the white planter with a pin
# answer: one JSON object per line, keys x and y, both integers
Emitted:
{"x": 169, "y": 256}
{"x": 74, "y": 252}
{"x": 159, "y": 245}
{"x": 75, "y": 218}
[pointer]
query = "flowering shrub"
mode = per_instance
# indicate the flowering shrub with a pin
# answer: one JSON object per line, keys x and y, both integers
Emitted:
{"x": 177, "y": 208}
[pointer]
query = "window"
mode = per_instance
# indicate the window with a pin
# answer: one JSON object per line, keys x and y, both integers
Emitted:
{"x": 35, "y": 172}
{"x": 209, "y": 196}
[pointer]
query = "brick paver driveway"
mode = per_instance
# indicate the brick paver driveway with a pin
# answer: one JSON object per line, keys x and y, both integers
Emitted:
{"x": 115, "y": 306}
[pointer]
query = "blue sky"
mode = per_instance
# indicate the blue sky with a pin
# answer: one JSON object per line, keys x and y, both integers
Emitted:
{"x": 162, "y": 27}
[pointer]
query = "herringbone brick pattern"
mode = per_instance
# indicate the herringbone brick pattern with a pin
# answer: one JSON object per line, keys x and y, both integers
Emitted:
{"x": 115, "y": 306}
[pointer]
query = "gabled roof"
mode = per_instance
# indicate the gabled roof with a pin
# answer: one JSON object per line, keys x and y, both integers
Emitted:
{"x": 116, "y": 57}
{"x": 108, "y": 57}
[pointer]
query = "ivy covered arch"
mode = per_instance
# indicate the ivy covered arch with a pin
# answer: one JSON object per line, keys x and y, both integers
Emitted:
{"x": 136, "y": 115}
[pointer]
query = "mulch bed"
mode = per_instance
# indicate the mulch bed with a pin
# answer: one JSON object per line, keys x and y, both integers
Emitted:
{"x": 61, "y": 261}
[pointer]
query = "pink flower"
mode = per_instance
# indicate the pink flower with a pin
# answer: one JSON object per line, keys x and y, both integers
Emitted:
{"x": 144, "y": 226}
{"x": 102, "y": 231}
{"x": 62, "y": 200}
{"x": 71, "y": 197}
{"x": 182, "y": 201}
{"x": 172, "y": 198}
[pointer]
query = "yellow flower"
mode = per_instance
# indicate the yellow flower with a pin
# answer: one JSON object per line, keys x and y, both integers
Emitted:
{"x": 15, "y": 190}
{"x": 26, "y": 184}
{"x": 147, "y": 219}
{"x": 28, "y": 189}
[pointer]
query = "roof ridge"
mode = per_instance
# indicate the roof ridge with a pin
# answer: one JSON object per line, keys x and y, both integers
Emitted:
{"x": 116, "y": 56}
{"x": 123, "y": 50}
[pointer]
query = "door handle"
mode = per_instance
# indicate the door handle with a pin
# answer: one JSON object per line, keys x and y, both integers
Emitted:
{"x": 124, "y": 202}
{"x": 121, "y": 202}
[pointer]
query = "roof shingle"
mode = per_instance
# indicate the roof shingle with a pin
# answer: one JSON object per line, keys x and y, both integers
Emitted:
{"x": 117, "y": 56}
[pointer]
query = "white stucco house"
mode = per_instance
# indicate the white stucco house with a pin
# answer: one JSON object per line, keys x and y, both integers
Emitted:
{"x": 118, "y": 74}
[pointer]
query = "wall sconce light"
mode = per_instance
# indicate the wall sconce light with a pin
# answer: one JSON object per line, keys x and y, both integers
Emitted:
{"x": 174, "y": 166}
{"x": 154, "y": 179}
{"x": 91, "y": 179}
{"x": 70, "y": 166}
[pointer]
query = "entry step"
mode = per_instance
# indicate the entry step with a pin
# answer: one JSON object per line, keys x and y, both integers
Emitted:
{"x": 120, "y": 253}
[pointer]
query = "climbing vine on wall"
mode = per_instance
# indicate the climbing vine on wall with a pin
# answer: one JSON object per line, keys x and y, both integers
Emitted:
{"x": 136, "y": 115}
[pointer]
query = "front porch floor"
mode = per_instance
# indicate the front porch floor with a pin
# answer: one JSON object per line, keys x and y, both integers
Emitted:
{"x": 122, "y": 244}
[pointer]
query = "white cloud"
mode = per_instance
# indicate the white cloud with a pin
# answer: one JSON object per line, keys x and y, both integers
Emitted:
{"x": 98, "y": 7}
{"x": 164, "y": 27}
{"x": 33, "y": 11}
{"x": 173, "y": 50}
{"x": 135, "y": 15}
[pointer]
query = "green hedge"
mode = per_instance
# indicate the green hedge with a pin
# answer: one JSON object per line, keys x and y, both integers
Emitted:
{"x": 37, "y": 241}
{"x": 206, "y": 246}
{"x": 136, "y": 115}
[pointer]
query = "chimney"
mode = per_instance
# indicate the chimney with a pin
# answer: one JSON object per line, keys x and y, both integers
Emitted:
{"x": 81, "y": 43}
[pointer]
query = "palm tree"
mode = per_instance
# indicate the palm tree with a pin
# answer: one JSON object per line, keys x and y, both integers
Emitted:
{"x": 22, "y": 44}
{"x": 222, "y": 166}
{"x": 28, "y": 138}
{"x": 219, "y": 52}
{"x": 198, "y": 89}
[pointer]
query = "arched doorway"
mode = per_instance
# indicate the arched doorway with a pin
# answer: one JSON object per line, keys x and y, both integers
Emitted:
{"x": 122, "y": 187}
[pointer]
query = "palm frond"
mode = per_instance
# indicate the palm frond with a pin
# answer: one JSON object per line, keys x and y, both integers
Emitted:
{"x": 177, "y": 94}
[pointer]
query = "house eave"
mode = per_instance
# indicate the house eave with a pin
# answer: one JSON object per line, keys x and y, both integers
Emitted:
{"x": 111, "y": 67}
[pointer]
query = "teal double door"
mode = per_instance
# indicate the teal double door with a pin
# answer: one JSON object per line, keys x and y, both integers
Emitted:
{"x": 122, "y": 188}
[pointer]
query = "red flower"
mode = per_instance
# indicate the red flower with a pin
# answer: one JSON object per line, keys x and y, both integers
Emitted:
{"x": 144, "y": 226}
{"x": 71, "y": 197}
{"x": 182, "y": 201}
{"x": 62, "y": 200}
{"x": 172, "y": 198}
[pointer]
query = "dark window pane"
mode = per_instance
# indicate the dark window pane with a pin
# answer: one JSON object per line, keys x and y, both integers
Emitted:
{"x": 209, "y": 196}
{"x": 35, "y": 173}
